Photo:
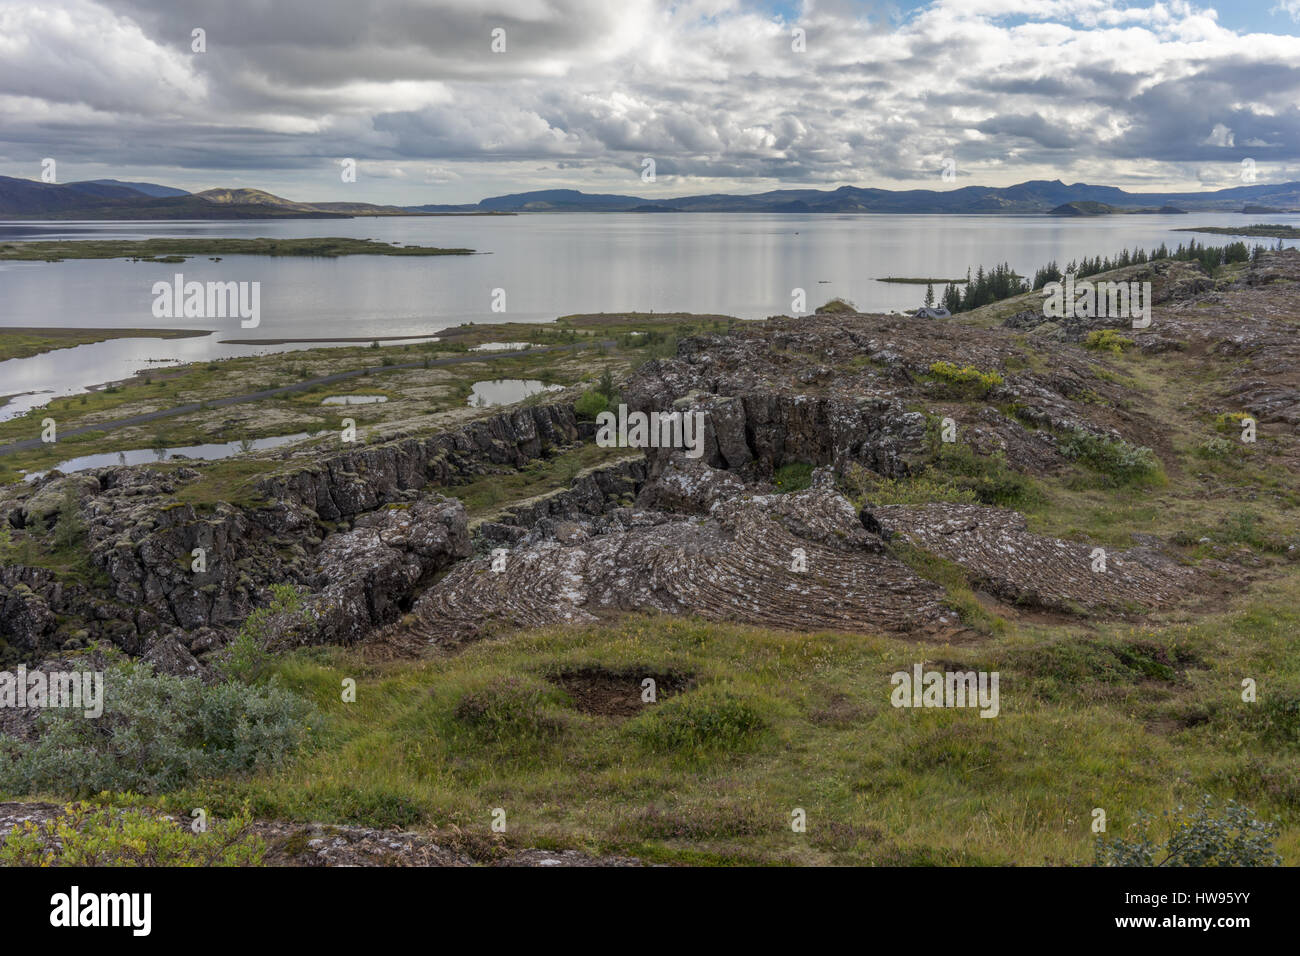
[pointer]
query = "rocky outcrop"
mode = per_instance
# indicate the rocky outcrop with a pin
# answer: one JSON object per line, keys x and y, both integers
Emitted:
{"x": 1003, "y": 557}
{"x": 368, "y": 576}
{"x": 174, "y": 580}
{"x": 687, "y": 486}
{"x": 800, "y": 562}
{"x": 365, "y": 478}
{"x": 845, "y": 389}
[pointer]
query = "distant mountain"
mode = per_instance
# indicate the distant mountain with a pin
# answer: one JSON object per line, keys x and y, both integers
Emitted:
{"x": 28, "y": 199}
{"x": 252, "y": 197}
{"x": 112, "y": 199}
{"x": 1035, "y": 197}
{"x": 553, "y": 200}
{"x": 148, "y": 189}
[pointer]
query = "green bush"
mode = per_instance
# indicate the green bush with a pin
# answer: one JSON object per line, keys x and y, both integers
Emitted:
{"x": 247, "y": 657}
{"x": 1235, "y": 837}
{"x": 156, "y": 733}
{"x": 1248, "y": 527}
{"x": 987, "y": 477}
{"x": 966, "y": 379}
{"x": 607, "y": 388}
{"x": 1123, "y": 463}
{"x": 590, "y": 404}
{"x": 1216, "y": 448}
{"x": 86, "y": 835}
{"x": 69, "y": 529}
{"x": 1230, "y": 422}
{"x": 1107, "y": 340}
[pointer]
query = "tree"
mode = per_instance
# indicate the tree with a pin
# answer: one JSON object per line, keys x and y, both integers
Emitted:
{"x": 952, "y": 299}
{"x": 607, "y": 387}
{"x": 68, "y": 527}
{"x": 929, "y": 295}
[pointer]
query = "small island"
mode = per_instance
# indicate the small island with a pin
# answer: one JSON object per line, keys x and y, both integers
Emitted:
{"x": 1090, "y": 208}
{"x": 1270, "y": 231}
{"x": 175, "y": 249}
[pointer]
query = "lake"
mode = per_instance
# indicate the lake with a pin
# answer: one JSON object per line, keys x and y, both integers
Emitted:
{"x": 547, "y": 264}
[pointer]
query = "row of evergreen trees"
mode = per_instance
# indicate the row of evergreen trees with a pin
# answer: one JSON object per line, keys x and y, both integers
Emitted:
{"x": 1002, "y": 282}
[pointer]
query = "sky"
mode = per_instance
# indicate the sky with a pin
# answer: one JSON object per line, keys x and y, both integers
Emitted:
{"x": 722, "y": 95}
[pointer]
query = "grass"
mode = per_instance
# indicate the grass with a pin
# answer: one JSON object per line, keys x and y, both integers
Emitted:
{"x": 1124, "y": 718}
{"x": 955, "y": 581}
{"x": 488, "y": 494}
{"x": 793, "y": 476}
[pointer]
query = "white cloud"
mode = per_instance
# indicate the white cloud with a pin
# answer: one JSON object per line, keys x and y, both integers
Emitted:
{"x": 1014, "y": 89}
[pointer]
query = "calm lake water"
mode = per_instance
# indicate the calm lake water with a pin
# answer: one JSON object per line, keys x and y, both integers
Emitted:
{"x": 507, "y": 391}
{"x": 547, "y": 264}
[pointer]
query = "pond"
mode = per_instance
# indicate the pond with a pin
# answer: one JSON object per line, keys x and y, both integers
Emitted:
{"x": 140, "y": 456}
{"x": 507, "y": 391}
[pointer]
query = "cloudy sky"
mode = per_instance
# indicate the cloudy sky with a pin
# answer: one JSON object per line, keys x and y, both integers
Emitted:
{"x": 1143, "y": 95}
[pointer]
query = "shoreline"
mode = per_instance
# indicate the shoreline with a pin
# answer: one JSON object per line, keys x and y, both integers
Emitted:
{"x": 41, "y": 340}
{"x": 349, "y": 339}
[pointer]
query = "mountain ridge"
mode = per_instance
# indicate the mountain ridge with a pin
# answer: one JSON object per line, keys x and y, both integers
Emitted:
{"x": 113, "y": 199}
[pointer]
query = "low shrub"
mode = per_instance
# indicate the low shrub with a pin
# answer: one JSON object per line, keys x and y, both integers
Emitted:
{"x": 988, "y": 477}
{"x": 86, "y": 835}
{"x": 156, "y": 732}
{"x": 1107, "y": 340}
{"x": 1199, "y": 837}
{"x": 590, "y": 404}
{"x": 966, "y": 378}
{"x": 1116, "y": 459}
